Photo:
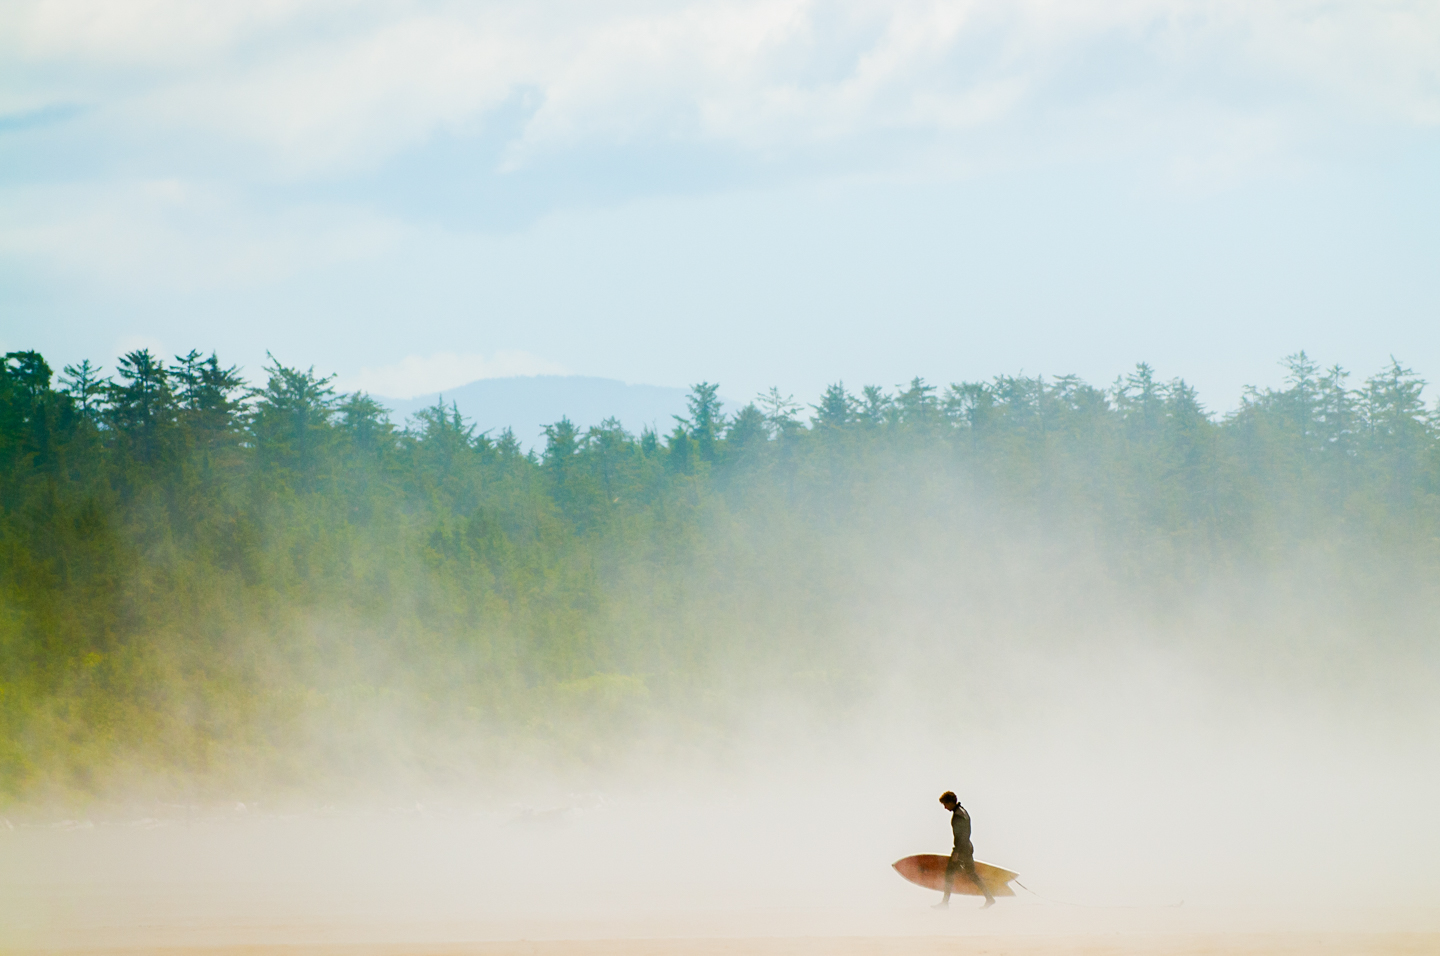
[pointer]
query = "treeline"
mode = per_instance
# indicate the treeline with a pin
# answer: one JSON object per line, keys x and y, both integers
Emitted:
{"x": 196, "y": 572}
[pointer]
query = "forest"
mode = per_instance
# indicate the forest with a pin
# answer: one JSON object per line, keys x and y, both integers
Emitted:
{"x": 206, "y": 580}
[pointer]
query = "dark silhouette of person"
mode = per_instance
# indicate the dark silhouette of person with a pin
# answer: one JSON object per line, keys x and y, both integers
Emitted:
{"x": 962, "y": 858}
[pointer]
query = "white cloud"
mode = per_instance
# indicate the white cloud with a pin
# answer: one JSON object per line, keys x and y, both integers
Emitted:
{"x": 322, "y": 86}
{"x": 147, "y": 33}
{"x": 1206, "y": 92}
{"x": 1379, "y": 56}
{"x": 423, "y": 375}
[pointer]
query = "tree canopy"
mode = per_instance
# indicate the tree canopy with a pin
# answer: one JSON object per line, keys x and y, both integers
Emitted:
{"x": 192, "y": 566}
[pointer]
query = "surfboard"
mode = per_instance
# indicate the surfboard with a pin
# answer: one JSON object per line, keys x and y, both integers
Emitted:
{"x": 928, "y": 870}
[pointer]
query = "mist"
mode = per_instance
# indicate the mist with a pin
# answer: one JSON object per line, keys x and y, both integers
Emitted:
{"x": 714, "y": 686}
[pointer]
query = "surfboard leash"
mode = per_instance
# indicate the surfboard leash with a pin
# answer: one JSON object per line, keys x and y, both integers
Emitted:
{"x": 1100, "y": 906}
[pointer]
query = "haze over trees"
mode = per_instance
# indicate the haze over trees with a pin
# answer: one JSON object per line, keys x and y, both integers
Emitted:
{"x": 203, "y": 581}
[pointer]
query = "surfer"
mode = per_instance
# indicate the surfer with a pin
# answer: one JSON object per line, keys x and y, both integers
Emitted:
{"x": 962, "y": 858}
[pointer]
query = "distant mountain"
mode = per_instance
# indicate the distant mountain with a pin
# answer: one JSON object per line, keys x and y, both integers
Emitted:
{"x": 527, "y": 404}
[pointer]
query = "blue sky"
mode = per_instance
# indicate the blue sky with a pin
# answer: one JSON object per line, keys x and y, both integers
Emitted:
{"x": 415, "y": 195}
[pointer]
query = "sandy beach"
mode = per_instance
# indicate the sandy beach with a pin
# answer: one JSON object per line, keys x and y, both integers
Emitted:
{"x": 1262, "y": 944}
{"x": 207, "y": 922}
{"x": 471, "y": 883}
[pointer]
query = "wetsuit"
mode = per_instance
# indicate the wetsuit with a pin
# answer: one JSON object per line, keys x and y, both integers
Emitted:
{"x": 962, "y": 858}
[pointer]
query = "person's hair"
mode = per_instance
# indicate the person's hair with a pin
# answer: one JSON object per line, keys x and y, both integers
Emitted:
{"x": 949, "y": 797}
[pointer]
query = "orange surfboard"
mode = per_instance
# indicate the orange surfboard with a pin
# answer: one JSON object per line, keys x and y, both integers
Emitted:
{"x": 928, "y": 870}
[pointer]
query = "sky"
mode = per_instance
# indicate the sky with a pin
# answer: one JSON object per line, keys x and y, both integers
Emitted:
{"x": 414, "y": 195}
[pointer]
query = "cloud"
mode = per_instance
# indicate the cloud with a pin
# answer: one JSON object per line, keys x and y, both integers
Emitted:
{"x": 1379, "y": 58}
{"x": 424, "y": 375}
{"x": 180, "y": 235}
{"x": 321, "y": 87}
{"x": 191, "y": 146}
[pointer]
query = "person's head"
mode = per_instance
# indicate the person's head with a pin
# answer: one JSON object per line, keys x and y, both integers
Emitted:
{"x": 949, "y": 801}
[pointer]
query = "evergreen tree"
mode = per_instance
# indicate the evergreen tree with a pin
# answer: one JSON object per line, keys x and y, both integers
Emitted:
{"x": 141, "y": 406}
{"x": 836, "y": 409}
{"x": 291, "y": 419}
{"x": 706, "y": 421}
{"x": 86, "y": 388}
{"x": 779, "y": 411}
{"x": 748, "y": 430}
{"x": 191, "y": 568}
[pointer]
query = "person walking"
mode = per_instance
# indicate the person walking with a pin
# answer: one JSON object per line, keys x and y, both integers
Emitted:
{"x": 962, "y": 858}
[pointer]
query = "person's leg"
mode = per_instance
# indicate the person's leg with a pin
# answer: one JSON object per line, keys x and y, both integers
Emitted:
{"x": 951, "y": 868}
{"x": 970, "y": 871}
